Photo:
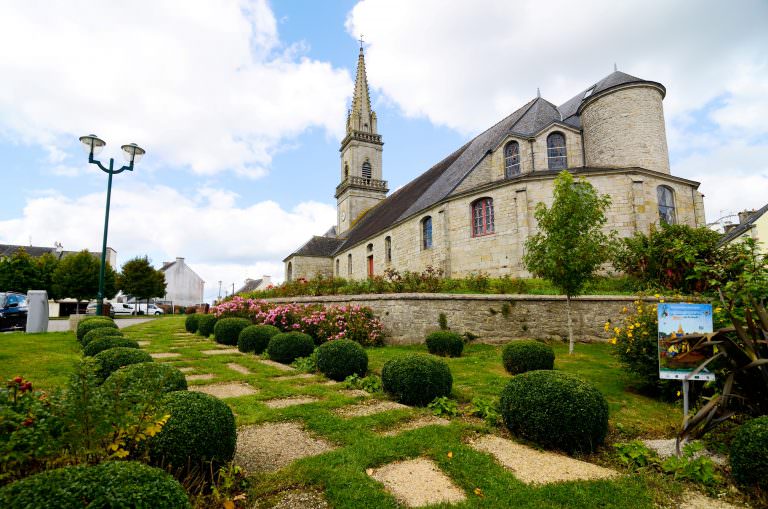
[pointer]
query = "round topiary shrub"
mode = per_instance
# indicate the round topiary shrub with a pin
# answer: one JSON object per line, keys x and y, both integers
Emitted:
{"x": 201, "y": 430}
{"x": 416, "y": 379}
{"x": 147, "y": 374}
{"x": 286, "y": 347}
{"x": 205, "y": 324}
{"x": 749, "y": 453}
{"x": 527, "y": 355}
{"x": 99, "y": 345}
{"x": 255, "y": 338}
{"x": 190, "y": 323}
{"x": 113, "y": 359}
{"x": 227, "y": 330}
{"x": 101, "y": 333}
{"x": 109, "y": 484}
{"x": 341, "y": 358}
{"x": 445, "y": 343}
{"x": 556, "y": 410}
{"x": 86, "y": 326}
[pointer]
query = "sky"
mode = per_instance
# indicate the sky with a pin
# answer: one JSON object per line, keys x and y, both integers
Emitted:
{"x": 241, "y": 105}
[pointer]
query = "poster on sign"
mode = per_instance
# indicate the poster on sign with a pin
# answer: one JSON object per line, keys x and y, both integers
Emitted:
{"x": 677, "y": 360}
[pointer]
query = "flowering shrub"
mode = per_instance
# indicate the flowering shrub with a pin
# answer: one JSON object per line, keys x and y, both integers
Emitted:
{"x": 636, "y": 342}
{"x": 357, "y": 323}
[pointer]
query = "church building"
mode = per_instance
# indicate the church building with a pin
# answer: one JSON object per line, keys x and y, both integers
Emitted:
{"x": 473, "y": 211}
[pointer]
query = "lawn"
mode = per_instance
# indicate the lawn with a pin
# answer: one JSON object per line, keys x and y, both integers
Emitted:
{"x": 341, "y": 474}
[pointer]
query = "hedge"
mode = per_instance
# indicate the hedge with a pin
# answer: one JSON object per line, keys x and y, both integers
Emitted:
{"x": 286, "y": 347}
{"x": 749, "y": 453}
{"x": 86, "y": 326}
{"x": 99, "y": 345}
{"x": 205, "y": 325}
{"x": 111, "y": 360}
{"x": 148, "y": 374}
{"x": 445, "y": 343}
{"x": 227, "y": 330}
{"x": 416, "y": 379}
{"x": 101, "y": 333}
{"x": 527, "y": 355}
{"x": 341, "y": 358}
{"x": 255, "y": 338}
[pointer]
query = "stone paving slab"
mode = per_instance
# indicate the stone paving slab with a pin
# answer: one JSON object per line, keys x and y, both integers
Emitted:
{"x": 186, "y": 369}
{"x": 240, "y": 369}
{"x": 227, "y": 351}
{"x": 206, "y": 376}
{"x": 537, "y": 467}
{"x": 370, "y": 408}
{"x": 277, "y": 365}
{"x": 274, "y": 445}
{"x": 355, "y": 393}
{"x": 164, "y": 355}
{"x": 292, "y": 401}
{"x": 225, "y": 390}
{"x": 418, "y": 482}
{"x": 421, "y": 422}
{"x": 144, "y": 343}
{"x": 293, "y": 377}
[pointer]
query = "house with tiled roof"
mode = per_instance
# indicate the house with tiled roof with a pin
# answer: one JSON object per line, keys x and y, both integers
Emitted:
{"x": 474, "y": 210}
{"x": 753, "y": 224}
{"x": 183, "y": 287}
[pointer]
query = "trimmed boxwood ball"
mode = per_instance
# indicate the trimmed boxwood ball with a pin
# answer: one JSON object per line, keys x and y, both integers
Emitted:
{"x": 99, "y": 345}
{"x": 255, "y": 338}
{"x": 416, "y": 379}
{"x": 341, "y": 358}
{"x": 101, "y": 333}
{"x": 227, "y": 330}
{"x": 145, "y": 374}
{"x": 86, "y": 326}
{"x": 108, "y": 484}
{"x": 749, "y": 453}
{"x": 445, "y": 343}
{"x": 286, "y": 347}
{"x": 113, "y": 359}
{"x": 201, "y": 430}
{"x": 190, "y": 323}
{"x": 205, "y": 324}
{"x": 527, "y": 355}
{"x": 555, "y": 410}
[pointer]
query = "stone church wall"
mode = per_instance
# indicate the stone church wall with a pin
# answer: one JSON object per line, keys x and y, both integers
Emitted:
{"x": 409, "y": 317}
{"x": 308, "y": 267}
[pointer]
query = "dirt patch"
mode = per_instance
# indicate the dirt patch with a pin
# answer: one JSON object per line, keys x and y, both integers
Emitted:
{"x": 187, "y": 369}
{"x": 286, "y": 402}
{"x": 693, "y": 500}
{"x": 417, "y": 483}
{"x": 371, "y": 408}
{"x": 667, "y": 447}
{"x": 293, "y": 377}
{"x": 274, "y": 445}
{"x": 536, "y": 467}
{"x": 421, "y": 422}
{"x": 144, "y": 343}
{"x": 301, "y": 500}
{"x": 228, "y": 390}
{"x": 225, "y": 351}
{"x": 240, "y": 369}
{"x": 164, "y": 355}
{"x": 206, "y": 376}
{"x": 355, "y": 393}
{"x": 276, "y": 365}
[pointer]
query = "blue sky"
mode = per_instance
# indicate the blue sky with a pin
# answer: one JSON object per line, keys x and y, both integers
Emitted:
{"x": 241, "y": 104}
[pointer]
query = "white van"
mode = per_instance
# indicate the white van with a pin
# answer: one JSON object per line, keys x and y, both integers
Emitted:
{"x": 153, "y": 309}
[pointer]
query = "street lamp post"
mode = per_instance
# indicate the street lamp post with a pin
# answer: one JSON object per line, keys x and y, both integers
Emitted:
{"x": 133, "y": 154}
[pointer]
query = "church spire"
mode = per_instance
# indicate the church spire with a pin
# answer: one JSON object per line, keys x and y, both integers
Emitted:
{"x": 361, "y": 118}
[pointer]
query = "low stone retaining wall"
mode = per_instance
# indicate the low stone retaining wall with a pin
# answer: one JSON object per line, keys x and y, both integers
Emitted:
{"x": 409, "y": 317}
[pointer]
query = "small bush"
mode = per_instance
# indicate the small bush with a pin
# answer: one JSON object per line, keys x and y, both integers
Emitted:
{"x": 286, "y": 347}
{"x": 101, "y": 333}
{"x": 200, "y": 431}
{"x": 190, "y": 322}
{"x": 555, "y": 410}
{"x": 416, "y": 379}
{"x": 445, "y": 343}
{"x": 205, "y": 325}
{"x": 227, "y": 330}
{"x": 109, "y": 484}
{"x": 99, "y": 345}
{"x": 749, "y": 453}
{"x": 341, "y": 358}
{"x": 113, "y": 359}
{"x": 527, "y": 355}
{"x": 86, "y": 326}
{"x": 255, "y": 338}
{"x": 138, "y": 376}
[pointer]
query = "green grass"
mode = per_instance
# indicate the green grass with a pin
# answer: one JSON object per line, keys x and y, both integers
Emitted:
{"x": 46, "y": 359}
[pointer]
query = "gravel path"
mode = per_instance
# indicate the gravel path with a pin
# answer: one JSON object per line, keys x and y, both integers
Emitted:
{"x": 63, "y": 325}
{"x": 417, "y": 483}
{"x": 370, "y": 409}
{"x": 421, "y": 422}
{"x": 225, "y": 390}
{"x": 273, "y": 445}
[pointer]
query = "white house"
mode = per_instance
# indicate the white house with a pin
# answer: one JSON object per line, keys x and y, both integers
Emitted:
{"x": 183, "y": 286}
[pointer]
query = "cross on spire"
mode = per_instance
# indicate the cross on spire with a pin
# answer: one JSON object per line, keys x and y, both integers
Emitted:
{"x": 361, "y": 41}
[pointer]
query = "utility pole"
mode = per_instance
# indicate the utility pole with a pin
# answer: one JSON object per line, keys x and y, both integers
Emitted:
{"x": 219, "y": 290}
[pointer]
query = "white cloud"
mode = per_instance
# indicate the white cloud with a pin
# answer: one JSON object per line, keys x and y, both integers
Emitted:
{"x": 201, "y": 84}
{"x": 220, "y": 239}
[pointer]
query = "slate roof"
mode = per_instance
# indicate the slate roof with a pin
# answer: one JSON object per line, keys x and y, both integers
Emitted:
{"x": 317, "y": 246}
{"x": 250, "y": 286}
{"x": 743, "y": 227}
{"x": 7, "y": 250}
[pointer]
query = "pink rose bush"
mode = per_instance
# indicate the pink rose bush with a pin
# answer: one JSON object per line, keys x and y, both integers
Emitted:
{"x": 323, "y": 323}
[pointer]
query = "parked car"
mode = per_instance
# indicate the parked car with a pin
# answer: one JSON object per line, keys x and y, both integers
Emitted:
{"x": 120, "y": 308}
{"x": 150, "y": 310}
{"x": 91, "y": 310}
{"x": 13, "y": 311}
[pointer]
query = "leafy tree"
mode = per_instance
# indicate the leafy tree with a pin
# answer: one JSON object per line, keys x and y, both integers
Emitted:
{"x": 17, "y": 272}
{"x": 45, "y": 266}
{"x": 77, "y": 276}
{"x": 570, "y": 244}
{"x": 140, "y": 279}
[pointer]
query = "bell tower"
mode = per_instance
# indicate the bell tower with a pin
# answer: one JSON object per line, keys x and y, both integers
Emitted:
{"x": 362, "y": 186}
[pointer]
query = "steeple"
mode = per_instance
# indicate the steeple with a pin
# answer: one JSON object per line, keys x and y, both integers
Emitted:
{"x": 361, "y": 118}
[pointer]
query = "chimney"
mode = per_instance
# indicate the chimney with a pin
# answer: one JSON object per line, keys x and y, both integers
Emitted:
{"x": 180, "y": 260}
{"x": 744, "y": 215}
{"x": 728, "y": 227}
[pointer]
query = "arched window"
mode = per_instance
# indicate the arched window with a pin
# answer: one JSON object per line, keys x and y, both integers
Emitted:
{"x": 289, "y": 272}
{"x": 337, "y": 268}
{"x": 388, "y": 249}
{"x": 349, "y": 264}
{"x": 556, "y": 156}
{"x": 346, "y": 171}
{"x": 512, "y": 159}
{"x": 366, "y": 170}
{"x": 369, "y": 248}
{"x": 666, "y": 197}
{"x": 482, "y": 217}
{"x": 426, "y": 233}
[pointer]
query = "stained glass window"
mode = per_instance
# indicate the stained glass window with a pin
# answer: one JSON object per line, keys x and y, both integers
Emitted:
{"x": 512, "y": 159}
{"x": 556, "y": 154}
{"x": 666, "y": 198}
{"x": 482, "y": 217}
{"x": 426, "y": 233}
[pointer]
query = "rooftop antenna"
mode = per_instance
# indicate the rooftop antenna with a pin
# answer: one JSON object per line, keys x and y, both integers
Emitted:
{"x": 615, "y": 67}
{"x": 538, "y": 92}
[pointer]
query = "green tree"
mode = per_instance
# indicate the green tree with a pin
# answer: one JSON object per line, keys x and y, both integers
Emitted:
{"x": 17, "y": 272}
{"x": 45, "y": 266}
{"x": 77, "y": 276}
{"x": 140, "y": 279}
{"x": 570, "y": 245}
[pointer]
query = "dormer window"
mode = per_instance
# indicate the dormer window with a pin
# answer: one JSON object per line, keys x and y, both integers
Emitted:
{"x": 367, "y": 172}
{"x": 589, "y": 92}
{"x": 511, "y": 159}
{"x": 556, "y": 152}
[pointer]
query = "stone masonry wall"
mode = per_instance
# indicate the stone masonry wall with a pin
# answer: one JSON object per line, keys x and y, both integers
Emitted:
{"x": 409, "y": 317}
